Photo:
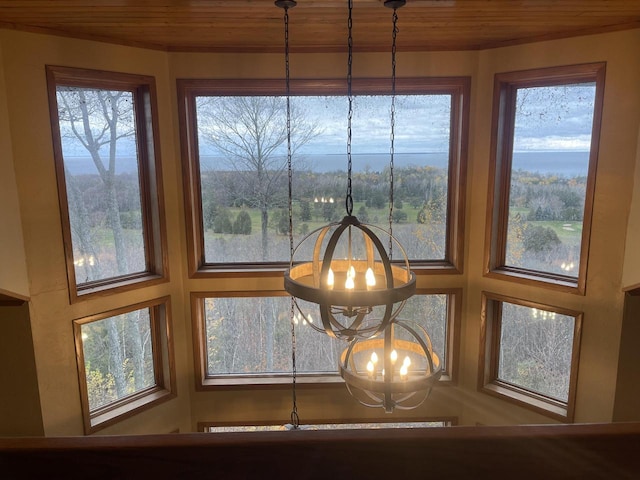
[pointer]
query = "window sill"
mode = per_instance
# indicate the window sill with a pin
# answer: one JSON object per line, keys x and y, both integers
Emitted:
{"x": 528, "y": 277}
{"x": 118, "y": 285}
{"x": 539, "y": 403}
{"x": 127, "y": 407}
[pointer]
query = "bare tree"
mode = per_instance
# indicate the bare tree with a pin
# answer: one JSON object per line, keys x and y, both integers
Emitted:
{"x": 251, "y": 133}
{"x": 97, "y": 120}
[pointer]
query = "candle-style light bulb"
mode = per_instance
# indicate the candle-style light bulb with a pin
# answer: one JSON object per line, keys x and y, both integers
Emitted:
{"x": 349, "y": 284}
{"x": 403, "y": 372}
{"x": 370, "y": 368}
{"x": 370, "y": 278}
{"x": 393, "y": 356}
{"x": 374, "y": 358}
{"x": 406, "y": 362}
{"x": 351, "y": 272}
{"x": 330, "y": 279}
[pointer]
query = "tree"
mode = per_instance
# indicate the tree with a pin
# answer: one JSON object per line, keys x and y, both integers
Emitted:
{"x": 242, "y": 224}
{"x": 305, "y": 211}
{"x": 97, "y": 120}
{"x": 363, "y": 215}
{"x": 222, "y": 222}
{"x": 250, "y": 132}
{"x": 538, "y": 238}
{"x": 399, "y": 216}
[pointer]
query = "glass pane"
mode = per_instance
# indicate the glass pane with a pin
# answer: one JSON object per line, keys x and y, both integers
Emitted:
{"x": 552, "y": 140}
{"x": 328, "y": 426}
{"x": 118, "y": 357}
{"x": 535, "y": 350}
{"x": 242, "y": 151}
{"x": 252, "y": 335}
{"x": 98, "y": 134}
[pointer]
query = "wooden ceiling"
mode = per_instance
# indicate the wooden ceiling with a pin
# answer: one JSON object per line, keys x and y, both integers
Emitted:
{"x": 317, "y": 25}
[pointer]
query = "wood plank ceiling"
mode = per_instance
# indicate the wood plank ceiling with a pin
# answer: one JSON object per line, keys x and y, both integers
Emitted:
{"x": 317, "y": 25}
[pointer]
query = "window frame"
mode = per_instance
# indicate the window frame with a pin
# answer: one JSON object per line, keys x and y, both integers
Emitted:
{"x": 488, "y": 363}
{"x": 188, "y": 89}
{"x": 143, "y": 89}
{"x": 205, "y": 382}
{"x": 163, "y": 363}
{"x": 502, "y": 132}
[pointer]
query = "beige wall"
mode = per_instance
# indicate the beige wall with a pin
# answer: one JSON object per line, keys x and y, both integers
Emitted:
{"x": 631, "y": 272}
{"x": 51, "y": 314}
{"x": 19, "y": 397}
{"x": 13, "y": 274}
{"x": 25, "y": 57}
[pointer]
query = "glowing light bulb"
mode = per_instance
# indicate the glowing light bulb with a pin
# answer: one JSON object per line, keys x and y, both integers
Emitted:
{"x": 309, "y": 318}
{"x": 374, "y": 358}
{"x": 370, "y": 369}
{"x": 406, "y": 362}
{"x": 349, "y": 284}
{"x": 351, "y": 272}
{"x": 330, "y": 279}
{"x": 403, "y": 372}
{"x": 393, "y": 356}
{"x": 370, "y": 278}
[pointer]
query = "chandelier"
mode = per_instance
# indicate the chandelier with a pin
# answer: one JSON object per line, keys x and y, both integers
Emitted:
{"x": 350, "y": 271}
{"x": 395, "y": 371}
{"x": 389, "y": 362}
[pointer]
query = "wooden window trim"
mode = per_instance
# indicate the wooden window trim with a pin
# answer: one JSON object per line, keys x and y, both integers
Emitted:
{"x": 505, "y": 87}
{"x": 203, "y": 382}
{"x": 163, "y": 363}
{"x": 488, "y": 362}
{"x": 459, "y": 89}
{"x": 144, "y": 93}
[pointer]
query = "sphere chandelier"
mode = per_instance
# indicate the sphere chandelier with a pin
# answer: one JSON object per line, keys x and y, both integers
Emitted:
{"x": 360, "y": 292}
{"x": 350, "y": 271}
{"x": 396, "y": 371}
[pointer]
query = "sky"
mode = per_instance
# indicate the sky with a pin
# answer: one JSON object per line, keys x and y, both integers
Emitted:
{"x": 547, "y": 119}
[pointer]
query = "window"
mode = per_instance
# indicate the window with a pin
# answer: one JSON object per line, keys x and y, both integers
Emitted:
{"x": 546, "y": 125}
{"x": 234, "y": 148}
{"x": 109, "y": 179}
{"x": 530, "y": 354}
{"x": 330, "y": 425}
{"x": 245, "y": 339}
{"x": 125, "y": 361}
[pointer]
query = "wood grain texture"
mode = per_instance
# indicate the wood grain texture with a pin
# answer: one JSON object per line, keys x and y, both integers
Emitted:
{"x": 318, "y": 26}
{"x": 605, "y": 451}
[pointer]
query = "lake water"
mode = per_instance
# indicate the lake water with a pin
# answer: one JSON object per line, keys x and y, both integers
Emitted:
{"x": 566, "y": 164}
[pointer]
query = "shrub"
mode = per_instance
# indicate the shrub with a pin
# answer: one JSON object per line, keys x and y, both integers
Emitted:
{"x": 363, "y": 215}
{"x": 242, "y": 224}
{"x": 305, "y": 211}
{"x": 539, "y": 239}
{"x": 222, "y": 223}
{"x": 399, "y": 216}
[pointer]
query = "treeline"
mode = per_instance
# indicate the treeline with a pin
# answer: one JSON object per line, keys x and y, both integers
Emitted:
{"x": 548, "y": 197}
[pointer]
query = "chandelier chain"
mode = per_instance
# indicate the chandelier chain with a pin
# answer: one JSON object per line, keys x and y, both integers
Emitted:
{"x": 393, "y": 128}
{"x": 295, "y": 420}
{"x": 349, "y": 199}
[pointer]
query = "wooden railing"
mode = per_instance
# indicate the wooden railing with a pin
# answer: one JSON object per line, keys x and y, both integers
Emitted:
{"x": 610, "y": 451}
